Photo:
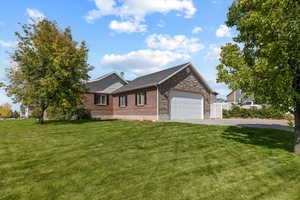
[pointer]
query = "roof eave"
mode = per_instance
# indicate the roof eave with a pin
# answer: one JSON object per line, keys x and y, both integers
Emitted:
{"x": 137, "y": 88}
{"x": 108, "y": 75}
{"x": 202, "y": 78}
{"x": 195, "y": 71}
{"x": 170, "y": 76}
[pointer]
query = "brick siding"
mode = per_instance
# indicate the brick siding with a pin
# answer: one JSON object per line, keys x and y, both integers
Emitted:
{"x": 132, "y": 109}
{"x": 98, "y": 110}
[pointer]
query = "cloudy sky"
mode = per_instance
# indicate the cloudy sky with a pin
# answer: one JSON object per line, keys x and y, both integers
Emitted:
{"x": 131, "y": 36}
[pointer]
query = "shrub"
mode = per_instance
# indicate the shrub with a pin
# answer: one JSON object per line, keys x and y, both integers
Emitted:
{"x": 263, "y": 113}
{"x": 68, "y": 114}
{"x": 82, "y": 113}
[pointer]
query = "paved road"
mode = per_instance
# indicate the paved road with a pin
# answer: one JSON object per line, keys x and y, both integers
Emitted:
{"x": 258, "y": 123}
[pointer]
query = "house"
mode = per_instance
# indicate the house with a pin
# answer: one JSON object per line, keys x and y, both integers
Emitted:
{"x": 177, "y": 93}
{"x": 237, "y": 97}
{"x": 26, "y": 111}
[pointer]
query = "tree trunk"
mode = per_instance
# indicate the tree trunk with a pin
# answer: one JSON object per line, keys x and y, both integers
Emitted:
{"x": 297, "y": 127}
{"x": 41, "y": 117}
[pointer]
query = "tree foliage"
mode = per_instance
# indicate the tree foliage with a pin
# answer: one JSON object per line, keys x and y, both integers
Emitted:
{"x": 5, "y": 110}
{"x": 265, "y": 60}
{"x": 49, "y": 68}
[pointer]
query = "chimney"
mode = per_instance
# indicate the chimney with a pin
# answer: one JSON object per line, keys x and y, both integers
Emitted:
{"x": 122, "y": 74}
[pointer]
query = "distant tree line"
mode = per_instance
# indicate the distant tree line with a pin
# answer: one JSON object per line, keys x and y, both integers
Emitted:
{"x": 7, "y": 112}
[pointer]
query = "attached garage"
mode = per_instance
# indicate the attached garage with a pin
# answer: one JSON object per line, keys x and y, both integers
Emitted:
{"x": 186, "y": 106}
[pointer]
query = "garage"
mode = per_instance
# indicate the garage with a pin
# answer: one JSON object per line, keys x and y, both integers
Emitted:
{"x": 186, "y": 106}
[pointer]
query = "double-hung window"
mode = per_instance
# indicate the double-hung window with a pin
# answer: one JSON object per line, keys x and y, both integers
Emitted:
{"x": 101, "y": 99}
{"x": 122, "y": 101}
{"x": 140, "y": 98}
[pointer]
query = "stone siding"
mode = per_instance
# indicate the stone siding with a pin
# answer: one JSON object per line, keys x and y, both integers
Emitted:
{"x": 183, "y": 81}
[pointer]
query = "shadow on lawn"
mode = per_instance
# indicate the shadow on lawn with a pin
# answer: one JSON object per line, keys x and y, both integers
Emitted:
{"x": 269, "y": 138}
{"x": 65, "y": 122}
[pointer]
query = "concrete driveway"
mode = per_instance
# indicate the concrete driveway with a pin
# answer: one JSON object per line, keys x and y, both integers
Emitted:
{"x": 257, "y": 123}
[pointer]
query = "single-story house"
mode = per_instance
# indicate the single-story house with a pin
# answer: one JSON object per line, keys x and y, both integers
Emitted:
{"x": 177, "y": 93}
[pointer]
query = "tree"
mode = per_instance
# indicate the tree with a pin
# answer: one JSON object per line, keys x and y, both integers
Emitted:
{"x": 49, "y": 68}
{"x": 15, "y": 114}
{"x": 5, "y": 110}
{"x": 265, "y": 60}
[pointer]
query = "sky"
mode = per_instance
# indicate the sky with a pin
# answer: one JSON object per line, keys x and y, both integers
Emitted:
{"x": 131, "y": 36}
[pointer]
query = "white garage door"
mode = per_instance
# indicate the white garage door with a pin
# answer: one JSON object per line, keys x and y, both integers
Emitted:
{"x": 185, "y": 106}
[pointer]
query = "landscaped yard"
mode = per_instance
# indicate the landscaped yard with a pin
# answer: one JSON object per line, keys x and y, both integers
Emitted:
{"x": 142, "y": 160}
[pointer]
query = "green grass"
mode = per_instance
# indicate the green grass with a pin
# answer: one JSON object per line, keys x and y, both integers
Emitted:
{"x": 142, "y": 160}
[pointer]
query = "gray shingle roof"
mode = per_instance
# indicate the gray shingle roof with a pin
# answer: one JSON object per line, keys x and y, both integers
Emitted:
{"x": 150, "y": 79}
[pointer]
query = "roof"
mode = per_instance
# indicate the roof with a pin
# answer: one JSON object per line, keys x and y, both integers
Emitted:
{"x": 150, "y": 79}
{"x": 159, "y": 77}
{"x": 105, "y": 76}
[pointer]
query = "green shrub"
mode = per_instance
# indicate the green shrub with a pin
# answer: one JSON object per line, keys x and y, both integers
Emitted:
{"x": 56, "y": 113}
{"x": 82, "y": 113}
{"x": 263, "y": 113}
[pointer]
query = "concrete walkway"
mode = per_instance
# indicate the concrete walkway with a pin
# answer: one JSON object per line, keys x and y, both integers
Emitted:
{"x": 258, "y": 123}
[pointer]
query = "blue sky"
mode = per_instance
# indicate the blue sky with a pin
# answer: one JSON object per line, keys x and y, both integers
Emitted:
{"x": 131, "y": 36}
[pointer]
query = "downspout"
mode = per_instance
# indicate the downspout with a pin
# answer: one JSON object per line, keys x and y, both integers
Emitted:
{"x": 157, "y": 104}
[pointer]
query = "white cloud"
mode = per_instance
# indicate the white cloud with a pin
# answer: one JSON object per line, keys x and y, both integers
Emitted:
{"x": 161, "y": 24}
{"x": 197, "y": 29}
{"x": 34, "y": 15}
{"x": 7, "y": 44}
{"x": 213, "y": 53}
{"x": 105, "y": 7}
{"x": 127, "y": 27}
{"x": 138, "y": 9}
{"x": 142, "y": 61}
{"x": 179, "y": 43}
{"x": 223, "y": 31}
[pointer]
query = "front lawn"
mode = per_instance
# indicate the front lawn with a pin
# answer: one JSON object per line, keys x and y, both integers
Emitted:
{"x": 142, "y": 160}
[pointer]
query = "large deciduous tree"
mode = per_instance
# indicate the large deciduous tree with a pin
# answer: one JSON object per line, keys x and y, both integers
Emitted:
{"x": 49, "y": 68}
{"x": 265, "y": 60}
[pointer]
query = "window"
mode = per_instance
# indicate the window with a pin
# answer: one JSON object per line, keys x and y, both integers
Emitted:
{"x": 141, "y": 98}
{"x": 101, "y": 99}
{"x": 122, "y": 101}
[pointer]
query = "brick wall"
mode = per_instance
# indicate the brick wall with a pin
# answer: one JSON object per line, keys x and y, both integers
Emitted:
{"x": 132, "y": 109}
{"x": 98, "y": 111}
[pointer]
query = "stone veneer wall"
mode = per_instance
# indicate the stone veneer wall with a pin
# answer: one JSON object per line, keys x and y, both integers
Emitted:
{"x": 184, "y": 81}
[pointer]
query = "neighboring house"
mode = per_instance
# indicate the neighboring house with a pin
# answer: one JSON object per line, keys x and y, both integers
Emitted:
{"x": 177, "y": 93}
{"x": 26, "y": 111}
{"x": 237, "y": 97}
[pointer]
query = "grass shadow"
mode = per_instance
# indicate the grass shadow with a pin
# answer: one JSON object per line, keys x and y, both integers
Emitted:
{"x": 264, "y": 137}
{"x": 65, "y": 122}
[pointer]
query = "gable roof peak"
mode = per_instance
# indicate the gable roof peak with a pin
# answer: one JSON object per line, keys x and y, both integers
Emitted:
{"x": 108, "y": 75}
{"x": 152, "y": 79}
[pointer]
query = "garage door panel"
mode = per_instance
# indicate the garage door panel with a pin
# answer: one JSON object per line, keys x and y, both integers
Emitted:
{"x": 186, "y": 106}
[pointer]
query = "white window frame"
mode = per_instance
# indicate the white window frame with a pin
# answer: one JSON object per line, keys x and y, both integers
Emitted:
{"x": 123, "y": 101}
{"x": 140, "y": 98}
{"x": 101, "y": 99}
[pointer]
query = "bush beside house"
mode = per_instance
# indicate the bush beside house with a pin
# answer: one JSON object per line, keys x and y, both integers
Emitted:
{"x": 263, "y": 113}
